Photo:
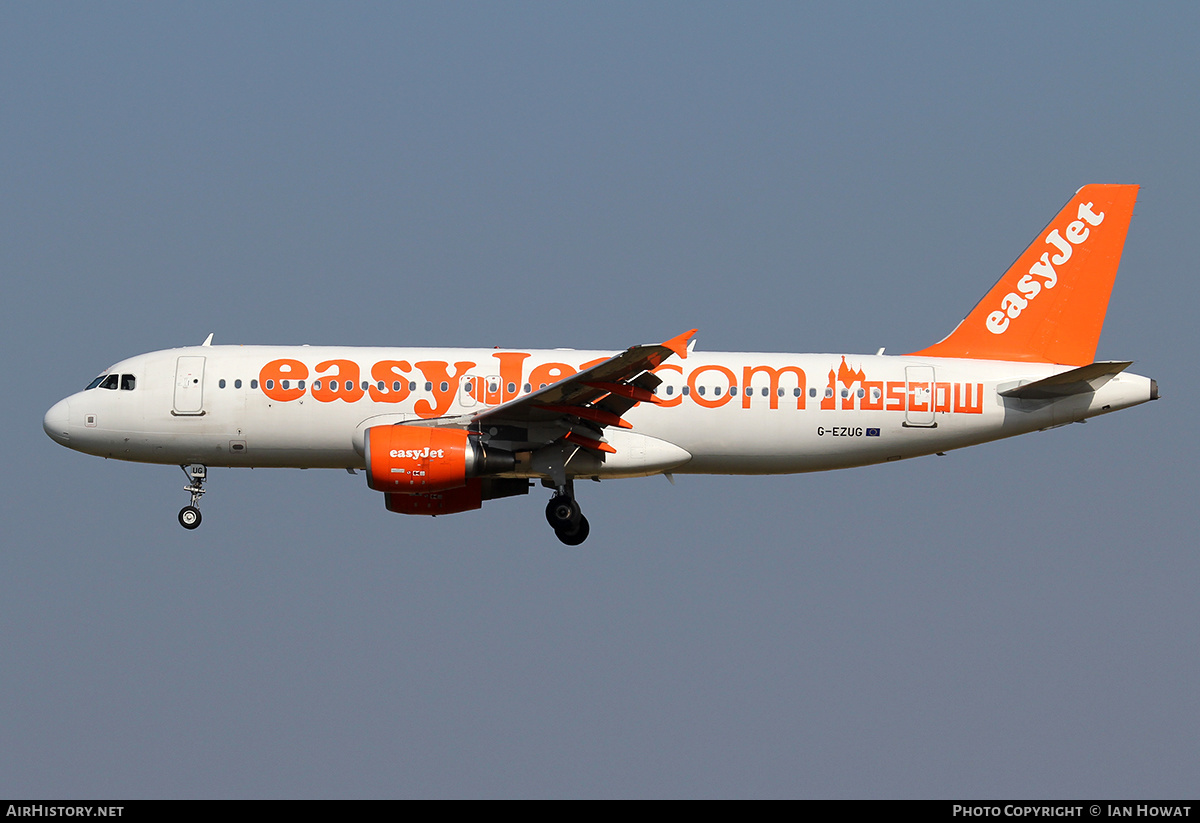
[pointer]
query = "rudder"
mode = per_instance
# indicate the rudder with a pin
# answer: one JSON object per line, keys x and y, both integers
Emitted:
{"x": 1049, "y": 306}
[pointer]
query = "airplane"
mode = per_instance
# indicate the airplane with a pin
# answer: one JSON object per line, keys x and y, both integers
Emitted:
{"x": 440, "y": 431}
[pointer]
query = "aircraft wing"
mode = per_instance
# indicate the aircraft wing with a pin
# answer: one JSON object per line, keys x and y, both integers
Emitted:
{"x": 593, "y": 399}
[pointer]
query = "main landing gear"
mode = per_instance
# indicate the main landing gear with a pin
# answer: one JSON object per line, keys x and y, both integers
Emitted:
{"x": 189, "y": 516}
{"x": 564, "y": 516}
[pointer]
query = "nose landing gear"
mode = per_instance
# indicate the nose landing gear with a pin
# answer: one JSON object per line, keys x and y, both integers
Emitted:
{"x": 564, "y": 516}
{"x": 189, "y": 516}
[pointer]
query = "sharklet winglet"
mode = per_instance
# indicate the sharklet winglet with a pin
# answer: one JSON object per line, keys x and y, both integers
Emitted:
{"x": 679, "y": 344}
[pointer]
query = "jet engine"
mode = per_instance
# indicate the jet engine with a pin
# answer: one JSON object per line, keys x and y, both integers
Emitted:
{"x": 426, "y": 459}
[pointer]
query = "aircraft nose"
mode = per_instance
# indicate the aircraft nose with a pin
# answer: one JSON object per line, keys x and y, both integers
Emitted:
{"x": 57, "y": 422}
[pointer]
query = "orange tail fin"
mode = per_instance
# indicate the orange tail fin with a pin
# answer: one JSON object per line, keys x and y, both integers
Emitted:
{"x": 1049, "y": 306}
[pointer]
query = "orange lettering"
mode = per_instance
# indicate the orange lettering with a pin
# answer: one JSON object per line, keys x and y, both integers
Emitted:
{"x": 274, "y": 373}
{"x": 710, "y": 402}
{"x": 436, "y": 373}
{"x": 476, "y": 389}
{"x": 829, "y": 401}
{"x": 390, "y": 372}
{"x": 346, "y": 377}
{"x": 895, "y": 395}
{"x": 510, "y": 373}
{"x": 941, "y": 397}
{"x": 870, "y": 401}
{"x": 748, "y": 377}
{"x": 677, "y": 399}
{"x": 963, "y": 402}
{"x": 914, "y": 389}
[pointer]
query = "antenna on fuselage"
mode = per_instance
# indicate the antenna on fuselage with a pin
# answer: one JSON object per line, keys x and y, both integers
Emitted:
{"x": 208, "y": 340}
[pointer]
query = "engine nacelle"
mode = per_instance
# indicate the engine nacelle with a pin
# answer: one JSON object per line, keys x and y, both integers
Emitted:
{"x": 425, "y": 459}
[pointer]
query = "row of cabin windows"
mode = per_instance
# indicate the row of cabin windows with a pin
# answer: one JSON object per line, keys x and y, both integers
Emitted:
{"x": 733, "y": 390}
{"x": 123, "y": 382}
{"x": 127, "y": 383}
{"x": 349, "y": 385}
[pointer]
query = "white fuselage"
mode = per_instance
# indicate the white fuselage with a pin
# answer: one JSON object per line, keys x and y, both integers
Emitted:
{"x": 718, "y": 412}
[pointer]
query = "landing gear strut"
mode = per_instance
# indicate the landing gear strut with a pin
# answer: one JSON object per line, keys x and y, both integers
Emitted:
{"x": 564, "y": 516}
{"x": 189, "y": 516}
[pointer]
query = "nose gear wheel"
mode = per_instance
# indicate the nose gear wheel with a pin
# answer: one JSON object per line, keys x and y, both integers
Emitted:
{"x": 189, "y": 516}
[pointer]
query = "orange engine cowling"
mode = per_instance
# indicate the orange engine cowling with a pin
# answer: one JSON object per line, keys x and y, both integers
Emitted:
{"x": 416, "y": 459}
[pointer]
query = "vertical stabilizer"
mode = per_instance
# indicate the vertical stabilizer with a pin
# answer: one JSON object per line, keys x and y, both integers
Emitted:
{"x": 1049, "y": 306}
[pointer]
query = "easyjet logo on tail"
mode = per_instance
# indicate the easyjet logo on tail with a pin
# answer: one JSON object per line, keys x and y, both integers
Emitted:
{"x": 1049, "y": 306}
{"x": 1041, "y": 273}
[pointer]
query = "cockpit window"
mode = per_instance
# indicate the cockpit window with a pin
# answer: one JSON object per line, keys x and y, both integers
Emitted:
{"x": 95, "y": 382}
{"x": 109, "y": 382}
{"x": 128, "y": 381}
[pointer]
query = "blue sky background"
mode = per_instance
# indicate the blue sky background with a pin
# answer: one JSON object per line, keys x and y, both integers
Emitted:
{"x": 1014, "y": 620}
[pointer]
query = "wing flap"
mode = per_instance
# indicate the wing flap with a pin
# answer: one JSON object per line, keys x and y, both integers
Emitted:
{"x": 599, "y": 395}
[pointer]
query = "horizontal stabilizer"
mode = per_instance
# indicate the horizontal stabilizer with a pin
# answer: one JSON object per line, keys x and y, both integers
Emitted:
{"x": 1076, "y": 381}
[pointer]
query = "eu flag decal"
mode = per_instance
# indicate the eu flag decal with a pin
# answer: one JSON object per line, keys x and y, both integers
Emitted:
{"x": 872, "y": 432}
